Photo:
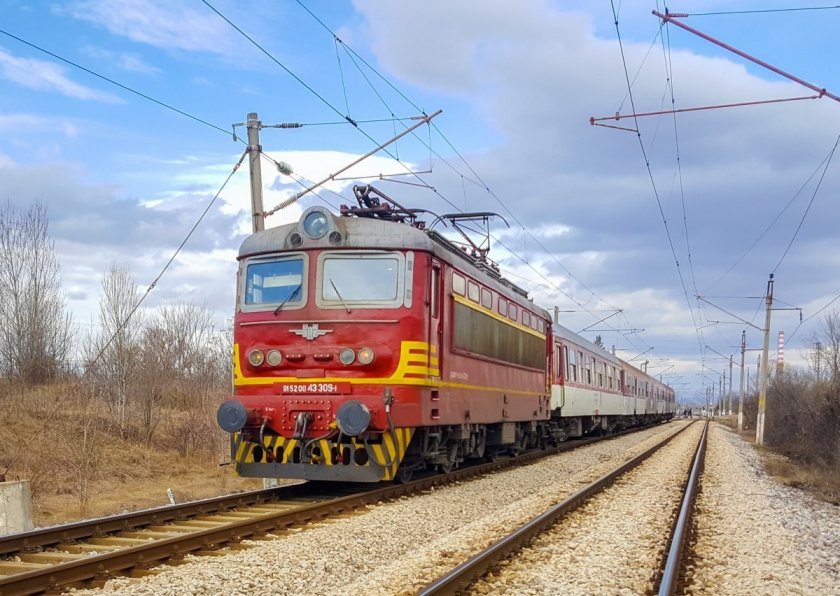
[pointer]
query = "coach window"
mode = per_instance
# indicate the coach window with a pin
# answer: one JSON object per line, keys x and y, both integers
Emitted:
{"x": 580, "y": 364}
{"x": 568, "y": 364}
{"x": 574, "y": 372}
{"x": 600, "y": 374}
{"x": 526, "y": 318}
{"x": 502, "y": 306}
{"x": 459, "y": 284}
{"x": 513, "y": 312}
{"x": 486, "y": 298}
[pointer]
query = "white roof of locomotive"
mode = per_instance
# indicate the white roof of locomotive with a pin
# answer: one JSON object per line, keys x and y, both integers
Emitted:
{"x": 372, "y": 233}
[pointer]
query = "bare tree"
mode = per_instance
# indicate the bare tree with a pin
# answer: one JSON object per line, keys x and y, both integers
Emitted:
{"x": 114, "y": 375}
{"x": 36, "y": 337}
{"x": 182, "y": 363}
{"x": 826, "y": 356}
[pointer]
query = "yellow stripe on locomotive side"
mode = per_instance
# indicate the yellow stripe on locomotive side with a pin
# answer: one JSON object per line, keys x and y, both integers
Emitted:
{"x": 415, "y": 359}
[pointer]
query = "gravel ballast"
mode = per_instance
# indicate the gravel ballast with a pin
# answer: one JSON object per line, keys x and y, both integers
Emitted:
{"x": 753, "y": 536}
{"x": 613, "y": 544}
{"x": 400, "y": 546}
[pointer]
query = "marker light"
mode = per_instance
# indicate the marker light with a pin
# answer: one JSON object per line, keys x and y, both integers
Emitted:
{"x": 346, "y": 356}
{"x": 256, "y": 357}
{"x": 366, "y": 356}
{"x": 274, "y": 358}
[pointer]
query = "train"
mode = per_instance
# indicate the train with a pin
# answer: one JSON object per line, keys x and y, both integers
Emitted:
{"x": 368, "y": 346}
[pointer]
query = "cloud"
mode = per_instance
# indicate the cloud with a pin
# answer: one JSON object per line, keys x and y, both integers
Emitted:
{"x": 92, "y": 226}
{"x": 47, "y": 76}
{"x": 125, "y": 61}
{"x": 135, "y": 64}
{"x": 535, "y": 74}
{"x": 167, "y": 25}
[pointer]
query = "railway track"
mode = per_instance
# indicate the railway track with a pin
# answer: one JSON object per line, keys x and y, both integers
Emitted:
{"x": 80, "y": 553}
{"x": 515, "y": 561}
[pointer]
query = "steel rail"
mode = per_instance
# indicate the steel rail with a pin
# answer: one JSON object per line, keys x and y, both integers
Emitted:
{"x": 459, "y": 578}
{"x": 673, "y": 564}
{"x": 52, "y": 577}
{"x": 45, "y": 537}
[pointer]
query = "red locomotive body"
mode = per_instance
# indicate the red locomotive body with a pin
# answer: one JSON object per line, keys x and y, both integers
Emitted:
{"x": 365, "y": 349}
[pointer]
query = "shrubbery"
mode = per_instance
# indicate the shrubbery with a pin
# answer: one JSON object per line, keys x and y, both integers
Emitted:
{"x": 803, "y": 411}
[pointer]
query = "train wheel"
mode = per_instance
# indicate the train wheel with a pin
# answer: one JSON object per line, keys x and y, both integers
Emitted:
{"x": 404, "y": 474}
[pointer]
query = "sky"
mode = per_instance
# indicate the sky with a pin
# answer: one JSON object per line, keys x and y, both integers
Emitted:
{"x": 117, "y": 115}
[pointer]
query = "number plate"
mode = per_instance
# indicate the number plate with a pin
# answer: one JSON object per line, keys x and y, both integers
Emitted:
{"x": 314, "y": 388}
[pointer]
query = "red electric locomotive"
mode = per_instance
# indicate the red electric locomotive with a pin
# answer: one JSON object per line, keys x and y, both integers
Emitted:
{"x": 367, "y": 347}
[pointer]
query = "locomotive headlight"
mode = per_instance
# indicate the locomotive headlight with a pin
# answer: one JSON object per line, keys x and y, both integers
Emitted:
{"x": 274, "y": 358}
{"x": 366, "y": 356}
{"x": 256, "y": 357}
{"x": 346, "y": 356}
{"x": 315, "y": 224}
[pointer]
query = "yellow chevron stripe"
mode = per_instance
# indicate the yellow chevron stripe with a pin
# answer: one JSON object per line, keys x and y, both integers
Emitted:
{"x": 378, "y": 454}
{"x": 387, "y": 456}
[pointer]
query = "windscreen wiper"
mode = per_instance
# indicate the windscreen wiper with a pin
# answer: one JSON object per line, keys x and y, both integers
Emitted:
{"x": 339, "y": 295}
{"x": 289, "y": 297}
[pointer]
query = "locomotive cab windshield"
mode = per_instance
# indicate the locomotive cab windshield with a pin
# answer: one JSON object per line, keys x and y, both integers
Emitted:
{"x": 374, "y": 279}
{"x": 270, "y": 282}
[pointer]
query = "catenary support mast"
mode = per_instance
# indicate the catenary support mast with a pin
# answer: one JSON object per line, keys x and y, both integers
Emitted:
{"x": 762, "y": 392}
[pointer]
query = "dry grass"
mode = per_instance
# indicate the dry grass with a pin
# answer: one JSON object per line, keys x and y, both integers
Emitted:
{"x": 79, "y": 467}
{"x": 821, "y": 483}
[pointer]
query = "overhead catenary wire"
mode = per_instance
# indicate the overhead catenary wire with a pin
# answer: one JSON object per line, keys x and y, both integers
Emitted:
{"x": 669, "y": 70}
{"x": 477, "y": 180}
{"x": 762, "y": 11}
{"x": 117, "y": 83}
{"x": 810, "y": 203}
{"x": 822, "y": 165}
{"x": 652, "y": 181}
{"x": 334, "y": 109}
{"x": 670, "y": 75}
{"x": 164, "y": 104}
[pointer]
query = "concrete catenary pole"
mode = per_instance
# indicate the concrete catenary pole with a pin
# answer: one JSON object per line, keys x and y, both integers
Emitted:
{"x": 254, "y": 149}
{"x": 741, "y": 394}
{"x": 762, "y": 378}
{"x": 729, "y": 393}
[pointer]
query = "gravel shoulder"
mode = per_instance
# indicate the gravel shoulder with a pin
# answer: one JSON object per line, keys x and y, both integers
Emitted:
{"x": 756, "y": 536}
